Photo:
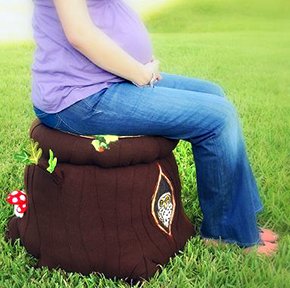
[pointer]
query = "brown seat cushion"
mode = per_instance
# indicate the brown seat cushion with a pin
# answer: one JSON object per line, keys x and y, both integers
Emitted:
{"x": 118, "y": 212}
{"x": 78, "y": 150}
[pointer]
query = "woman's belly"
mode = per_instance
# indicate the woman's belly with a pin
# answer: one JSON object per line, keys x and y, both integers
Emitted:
{"x": 123, "y": 25}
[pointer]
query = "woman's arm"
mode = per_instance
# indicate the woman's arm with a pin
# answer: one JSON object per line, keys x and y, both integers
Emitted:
{"x": 91, "y": 41}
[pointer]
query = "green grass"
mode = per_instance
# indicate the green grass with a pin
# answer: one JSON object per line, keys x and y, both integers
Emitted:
{"x": 245, "y": 48}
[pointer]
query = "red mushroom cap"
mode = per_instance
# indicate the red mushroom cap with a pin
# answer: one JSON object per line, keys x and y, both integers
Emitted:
{"x": 16, "y": 197}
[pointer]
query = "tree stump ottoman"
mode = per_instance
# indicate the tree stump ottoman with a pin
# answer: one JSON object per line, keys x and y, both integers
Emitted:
{"x": 118, "y": 212}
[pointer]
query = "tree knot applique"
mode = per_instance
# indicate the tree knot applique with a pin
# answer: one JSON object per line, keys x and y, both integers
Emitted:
{"x": 163, "y": 202}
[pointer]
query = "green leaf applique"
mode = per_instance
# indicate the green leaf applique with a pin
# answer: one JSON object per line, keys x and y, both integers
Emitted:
{"x": 22, "y": 157}
{"x": 99, "y": 146}
{"x": 102, "y": 142}
{"x": 29, "y": 155}
{"x": 52, "y": 161}
{"x": 35, "y": 152}
{"x": 110, "y": 138}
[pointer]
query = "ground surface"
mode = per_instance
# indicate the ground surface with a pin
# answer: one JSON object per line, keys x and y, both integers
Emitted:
{"x": 245, "y": 47}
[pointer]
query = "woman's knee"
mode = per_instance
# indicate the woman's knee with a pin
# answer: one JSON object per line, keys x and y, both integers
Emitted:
{"x": 216, "y": 89}
{"x": 228, "y": 116}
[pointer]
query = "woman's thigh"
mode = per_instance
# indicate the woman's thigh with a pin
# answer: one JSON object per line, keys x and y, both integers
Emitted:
{"x": 124, "y": 109}
{"x": 189, "y": 83}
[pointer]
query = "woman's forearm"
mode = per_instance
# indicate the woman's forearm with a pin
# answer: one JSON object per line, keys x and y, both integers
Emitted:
{"x": 91, "y": 41}
{"x": 104, "y": 52}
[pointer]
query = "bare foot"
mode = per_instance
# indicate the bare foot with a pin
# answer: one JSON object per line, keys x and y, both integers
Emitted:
{"x": 264, "y": 248}
{"x": 268, "y": 235}
{"x": 267, "y": 249}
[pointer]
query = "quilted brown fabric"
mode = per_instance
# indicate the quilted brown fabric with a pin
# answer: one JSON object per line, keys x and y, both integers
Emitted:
{"x": 118, "y": 212}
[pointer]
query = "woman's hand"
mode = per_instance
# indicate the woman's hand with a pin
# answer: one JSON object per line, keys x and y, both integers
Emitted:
{"x": 149, "y": 69}
{"x": 149, "y": 75}
{"x": 159, "y": 77}
{"x": 153, "y": 67}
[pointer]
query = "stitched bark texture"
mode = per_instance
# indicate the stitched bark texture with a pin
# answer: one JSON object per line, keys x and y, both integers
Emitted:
{"x": 118, "y": 212}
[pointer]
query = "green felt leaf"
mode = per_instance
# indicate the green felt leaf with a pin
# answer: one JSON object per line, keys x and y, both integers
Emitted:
{"x": 35, "y": 152}
{"x": 52, "y": 161}
{"x": 29, "y": 155}
{"x": 22, "y": 157}
{"x": 100, "y": 138}
{"x": 96, "y": 144}
{"x": 111, "y": 138}
{"x": 103, "y": 141}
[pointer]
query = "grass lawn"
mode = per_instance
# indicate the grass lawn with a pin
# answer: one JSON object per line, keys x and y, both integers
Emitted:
{"x": 245, "y": 47}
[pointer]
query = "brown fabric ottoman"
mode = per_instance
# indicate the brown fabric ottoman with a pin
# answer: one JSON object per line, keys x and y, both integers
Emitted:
{"x": 118, "y": 212}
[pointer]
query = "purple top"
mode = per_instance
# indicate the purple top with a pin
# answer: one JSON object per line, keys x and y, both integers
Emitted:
{"x": 61, "y": 75}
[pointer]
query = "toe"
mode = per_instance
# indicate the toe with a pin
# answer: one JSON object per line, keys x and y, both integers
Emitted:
{"x": 268, "y": 249}
{"x": 268, "y": 235}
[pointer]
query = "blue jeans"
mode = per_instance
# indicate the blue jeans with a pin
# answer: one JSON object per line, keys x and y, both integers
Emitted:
{"x": 195, "y": 110}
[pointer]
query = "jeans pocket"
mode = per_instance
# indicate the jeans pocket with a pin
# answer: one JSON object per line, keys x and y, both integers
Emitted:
{"x": 92, "y": 102}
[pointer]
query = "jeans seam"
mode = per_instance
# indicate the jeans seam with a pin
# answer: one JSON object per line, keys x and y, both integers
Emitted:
{"x": 223, "y": 195}
{"x": 86, "y": 104}
{"x": 39, "y": 115}
{"x": 91, "y": 107}
{"x": 85, "y": 100}
{"x": 58, "y": 122}
{"x": 65, "y": 123}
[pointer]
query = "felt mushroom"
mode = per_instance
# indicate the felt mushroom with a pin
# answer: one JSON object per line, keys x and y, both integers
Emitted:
{"x": 19, "y": 200}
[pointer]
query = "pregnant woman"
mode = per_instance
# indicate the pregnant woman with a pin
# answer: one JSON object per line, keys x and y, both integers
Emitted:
{"x": 94, "y": 73}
